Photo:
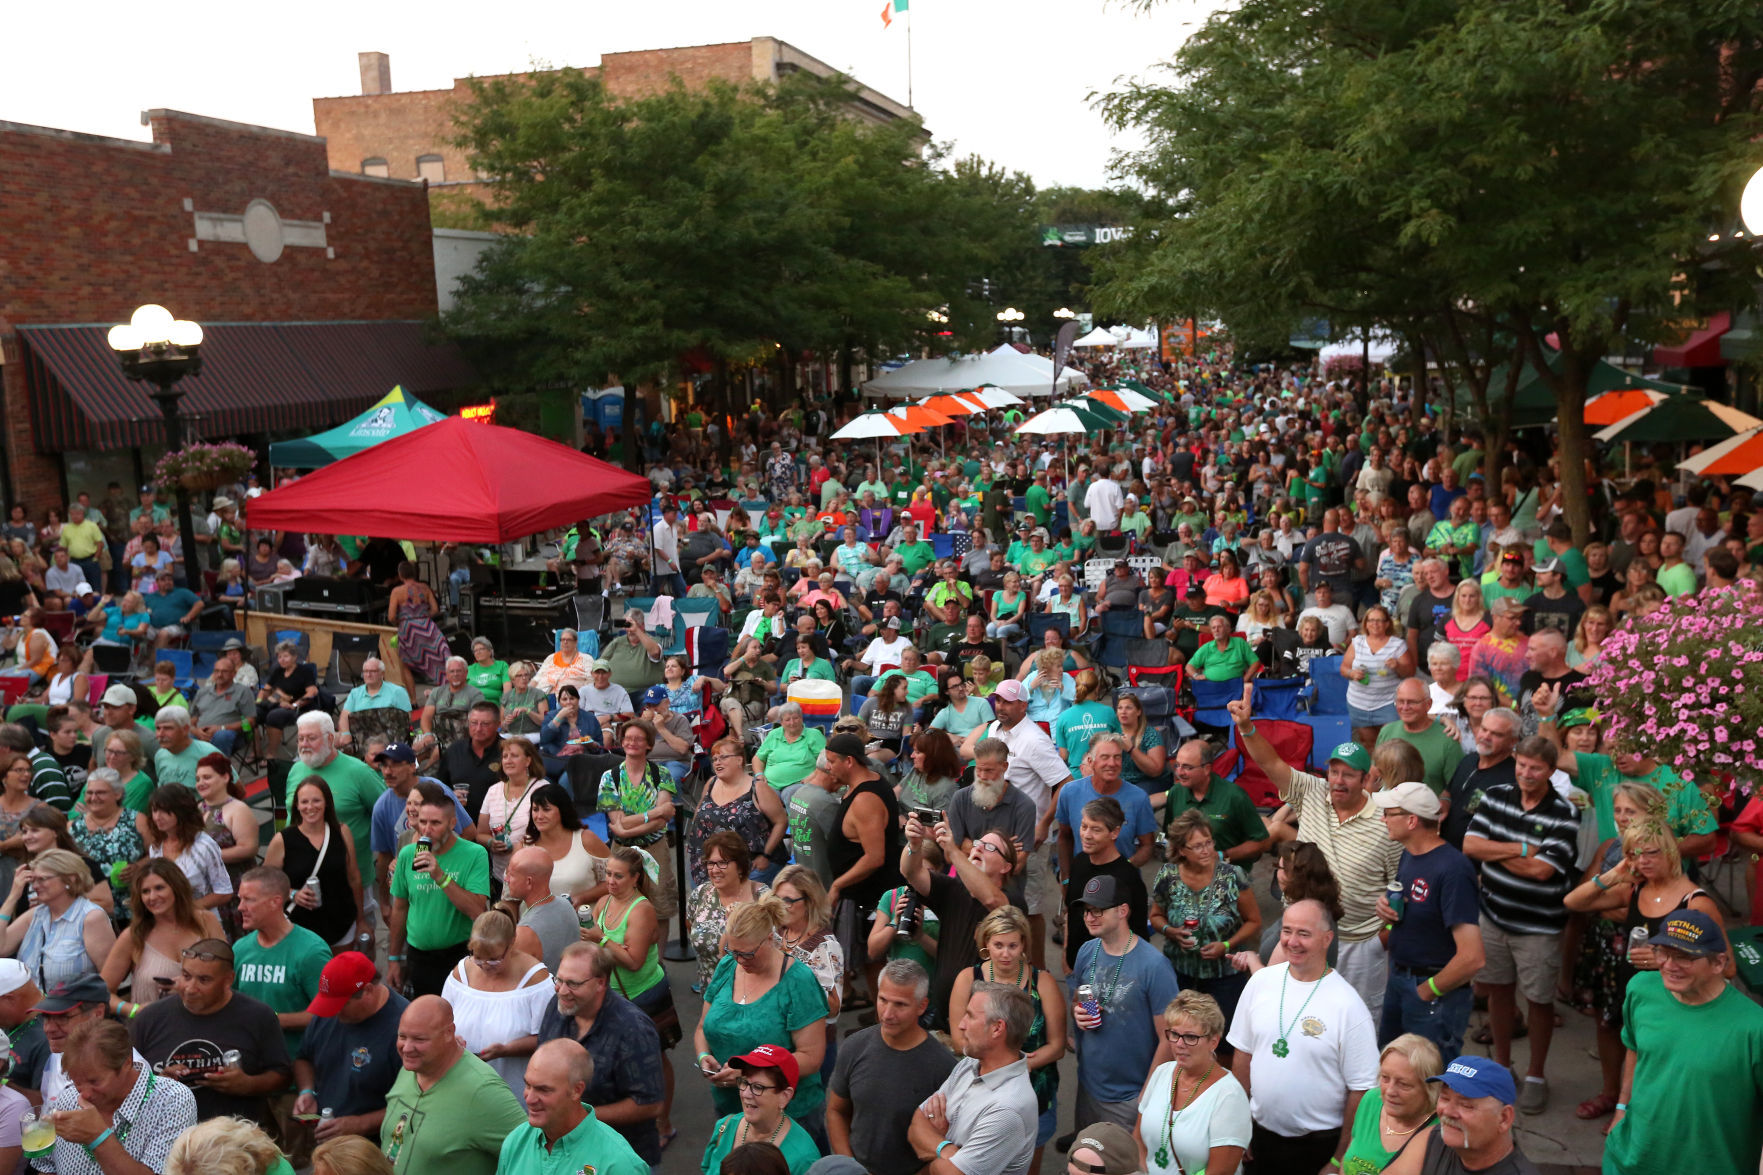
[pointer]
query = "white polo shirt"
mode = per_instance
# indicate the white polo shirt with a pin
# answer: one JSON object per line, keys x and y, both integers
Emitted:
{"x": 1035, "y": 766}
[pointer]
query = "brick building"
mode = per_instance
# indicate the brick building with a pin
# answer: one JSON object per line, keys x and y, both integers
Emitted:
{"x": 312, "y": 288}
{"x": 409, "y": 135}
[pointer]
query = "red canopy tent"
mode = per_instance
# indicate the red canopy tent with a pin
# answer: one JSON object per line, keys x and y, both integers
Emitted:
{"x": 454, "y": 481}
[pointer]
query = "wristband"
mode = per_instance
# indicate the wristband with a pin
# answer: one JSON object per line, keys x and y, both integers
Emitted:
{"x": 134, "y": 1010}
{"x": 1248, "y": 731}
{"x": 705, "y": 1057}
{"x": 92, "y": 1147}
{"x": 940, "y": 1146}
{"x": 1622, "y": 1107}
{"x": 5, "y": 917}
{"x": 394, "y": 958}
{"x": 1598, "y": 880}
{"x": 1523, "y": 849}
{"x": 1433, "y": 982}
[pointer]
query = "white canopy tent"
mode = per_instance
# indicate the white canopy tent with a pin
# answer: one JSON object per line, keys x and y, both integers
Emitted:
{"x": 1139, "y": 340}
{"x": 1007, "y": 368}
{"x": 1382, "y": 347}
{"x": 1097, "y": 338}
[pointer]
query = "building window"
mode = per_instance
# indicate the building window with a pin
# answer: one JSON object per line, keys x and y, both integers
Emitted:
{"x": 375, "y": 166}
{"x": 430, "y": 168}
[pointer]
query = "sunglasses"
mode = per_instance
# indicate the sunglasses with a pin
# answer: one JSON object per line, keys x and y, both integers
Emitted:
{"x": 208, "y": 956}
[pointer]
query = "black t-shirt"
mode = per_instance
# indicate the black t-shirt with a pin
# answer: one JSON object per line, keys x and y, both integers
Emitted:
{"x": 1562, "y": 614}
{"x": 1125, "y": 874}
{"x": 1567, "y": 685}
{"x": 874, "y": 599}
{"x": 166, "y": 1031}
{"x": 987, "y": 580}
{"x": 845, "y": 853}
{"x": 960, "y": 913}
{"x": 1605, "y": 587}
{"x": 1424, "y": 616}
{"x": 1181, "y": 466}
{"x": 1468, "y": 783}
{"x": 294, "y": 683}
{"x": 966, "y": 650}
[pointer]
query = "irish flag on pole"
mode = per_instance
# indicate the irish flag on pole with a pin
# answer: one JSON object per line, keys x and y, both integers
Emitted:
{"x": 889, "y": 9}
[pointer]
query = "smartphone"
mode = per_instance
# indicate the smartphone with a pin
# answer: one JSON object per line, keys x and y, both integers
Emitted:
{"x": 709, "y": 1068}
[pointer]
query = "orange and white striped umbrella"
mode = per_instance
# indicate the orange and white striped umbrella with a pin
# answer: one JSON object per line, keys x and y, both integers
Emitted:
{"x": 1610, "y": 407}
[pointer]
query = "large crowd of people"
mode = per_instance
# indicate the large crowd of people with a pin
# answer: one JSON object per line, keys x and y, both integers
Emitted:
{"x": 948, "y": 807}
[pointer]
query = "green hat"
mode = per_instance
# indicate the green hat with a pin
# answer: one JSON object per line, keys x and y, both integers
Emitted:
{"x": 1582, "y": 716}
{"x": 1353, "y": 755}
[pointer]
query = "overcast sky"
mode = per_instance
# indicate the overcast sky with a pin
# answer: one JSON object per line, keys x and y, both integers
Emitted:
{"x": 1006, "y": 79}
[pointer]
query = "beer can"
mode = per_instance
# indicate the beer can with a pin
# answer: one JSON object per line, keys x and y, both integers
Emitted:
{"x": 1086, "y": 999}
{"x": 1396, "y": 894}
{"x": 584, "y": 914}
{"x": 312, "y": 885}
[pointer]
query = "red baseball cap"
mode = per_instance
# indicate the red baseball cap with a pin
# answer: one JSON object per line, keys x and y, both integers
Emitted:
{"x": 342, "y": 977}
{"x": 771, "y": 1056}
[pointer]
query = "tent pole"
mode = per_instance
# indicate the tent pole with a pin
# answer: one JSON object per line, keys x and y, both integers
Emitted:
{"x": 502, "y": 586}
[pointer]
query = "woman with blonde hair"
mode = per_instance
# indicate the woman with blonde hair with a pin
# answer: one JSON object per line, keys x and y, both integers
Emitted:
{"x": 758, "y": 995}
{"x": 627, "y": 925}
{"x": 101, "y": 1076}
{"x": 63, "y": 934}
{"x": 1002, "y": 938}
{"x": 1259, "y": 618}
{"x": 349, "y": 1154}
{"x": 1587, "y": 644}
{"x": 1193, "y": 1114}
{"x": 1050, "y": 692}
{"x": 1468, "y": 622}
{"x": 225, "y": 1146}
{"x": 807, "y": 936}
{"x": 1392, "y": 1113}
{"x": 499, "y": 994}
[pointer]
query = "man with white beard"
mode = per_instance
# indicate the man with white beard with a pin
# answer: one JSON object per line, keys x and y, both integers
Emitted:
{"x": 1036, "y": 770}
{"x": 354, "y": 785}
{"x": 991, "y": 804}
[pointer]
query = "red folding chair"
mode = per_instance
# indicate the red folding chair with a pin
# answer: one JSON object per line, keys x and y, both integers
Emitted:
{"x": 1293, "y": 741}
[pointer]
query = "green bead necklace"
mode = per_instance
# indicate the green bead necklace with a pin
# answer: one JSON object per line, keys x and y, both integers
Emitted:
{"x": 1164, "y": 1151}
{"x": 1280, "y": 1048}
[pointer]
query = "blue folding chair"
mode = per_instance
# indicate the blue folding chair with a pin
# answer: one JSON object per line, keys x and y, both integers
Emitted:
{"x": 943, "y": 545}
{"x": 1327, "y": 691}
{"x": 1211, "y": 697}
{"x": 185, "y": 661}
{"x": 1040, "y": 622}
{"x": 1277, "y": 697}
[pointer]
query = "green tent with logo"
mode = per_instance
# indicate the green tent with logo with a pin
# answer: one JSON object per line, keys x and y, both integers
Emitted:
{"x": 396, "y": 414}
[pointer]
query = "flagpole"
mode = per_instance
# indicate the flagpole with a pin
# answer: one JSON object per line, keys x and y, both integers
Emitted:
{"x": 909, "y": 57}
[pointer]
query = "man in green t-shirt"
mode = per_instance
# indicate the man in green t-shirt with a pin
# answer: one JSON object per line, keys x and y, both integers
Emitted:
{"x": 1238, "y": 831}
{"x": 561, "y": 1133}
{"x": 448, "y": 1111}
{"x": 1225, "y": 657}
{"x": 915, "y": 554}
{"x": 175, "y": 760}
{"x": 354, "y": 785}
{"x": 1454, "y": 539}
{"x": 439, "y": 884}
{"x": 1040, "y": 499}
{"x": 1414, "y": 725}
{"x": 281, "y": 963}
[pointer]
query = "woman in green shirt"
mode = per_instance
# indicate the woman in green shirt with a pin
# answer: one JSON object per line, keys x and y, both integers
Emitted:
{"x": 1397, "y": 1113}
{"x": 625, "y": 924}
{"x": 767, "y": 1084}
{"x": 523, "y": 707}
{"x": 788, "y": 753}
{"x": 486, "y": 672}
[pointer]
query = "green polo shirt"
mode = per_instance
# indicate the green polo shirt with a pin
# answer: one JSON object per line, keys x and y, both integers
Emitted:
{"x": 460, "y": 1125}
{"x": 1234, "y": 660}
{"x": 915, "y": 557}
{"x": 1228, "y": 809}
{"x": 591, "y": 1146}
{"x": 1439, "y": 752}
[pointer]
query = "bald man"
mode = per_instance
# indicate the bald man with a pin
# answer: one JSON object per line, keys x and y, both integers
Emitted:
{"x": 561, "y": 1133}
{"x": 448, "y": 1110}
{"x": 547, "y": 923}
{"x": 1415, "y": 725}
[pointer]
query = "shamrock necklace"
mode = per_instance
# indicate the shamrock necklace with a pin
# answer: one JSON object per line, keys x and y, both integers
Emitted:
{"x": 1163, "y": 1151}
{"x": 1280, "y": 1047}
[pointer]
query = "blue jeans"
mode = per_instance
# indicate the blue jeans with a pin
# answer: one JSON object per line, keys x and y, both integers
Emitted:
{"x": 225, "y": 741}
{"x": 670, "y": 584}
{"x": 861, "y": 684}
{"x": 456, "y": 579}
{"x": 1442, "y": 1021}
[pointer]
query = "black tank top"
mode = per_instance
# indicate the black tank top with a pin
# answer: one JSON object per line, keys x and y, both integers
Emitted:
{"x": 844, "y": 852}
{"x": 336, "y": 911}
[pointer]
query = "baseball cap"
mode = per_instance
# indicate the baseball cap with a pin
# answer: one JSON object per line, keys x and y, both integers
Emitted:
{"x": 82, "y": 588}
{"x": 1692, "y": 932}
{"x": 1103, "y": 893}
{"x": 1352, "y": 754}
{"x": 1551, "y": 565}
{"x": 848, "y": 745}
{"x": 396, "y": 753}
{"x": 1479, "y": 1077}
{"x": 67, "y": 994}
{"x": 1414, "y": 798}
{"x": 13, "y": 975}
{"x": 771, "y": 1056}
{"x": 602, "y": 663}
{"x": 341, "y": 978}
{"x": 1113, "y": 1145}
{"x": 1011, "y": 690}
{"x": 120, "y": 695}
{"x": 654, "y": 694}
{"x": 837, "y": 1165}
{"x": 1581, "y": 716}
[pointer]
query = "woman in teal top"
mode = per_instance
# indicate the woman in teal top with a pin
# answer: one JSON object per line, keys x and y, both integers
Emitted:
{"x": 1394, "y": 1113}
{"x": 1007, "y": 608}
{"x": 788, "y": 753}
{"x": 486, "y": 672}
{"x": 767, "y": 1084}
{"x": 759, "y": 995}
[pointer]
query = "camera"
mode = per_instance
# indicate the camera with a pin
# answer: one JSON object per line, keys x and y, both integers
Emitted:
{"x": 908, "y": 914}
{"x": 929, "y": 817}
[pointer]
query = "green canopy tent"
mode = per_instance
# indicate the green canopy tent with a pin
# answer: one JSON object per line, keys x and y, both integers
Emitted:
{"x": 397, "y": 413}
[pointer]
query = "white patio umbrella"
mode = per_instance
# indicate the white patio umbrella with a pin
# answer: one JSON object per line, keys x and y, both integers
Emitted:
{"x": 1752, "y": 480}
{"x": 1064, "y": 419}
{"x": 994, "y": 397}
{"x": 877, "y": 424}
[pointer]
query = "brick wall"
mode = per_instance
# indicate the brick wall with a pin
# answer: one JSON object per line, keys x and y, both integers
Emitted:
{"x": 96, "y": 227}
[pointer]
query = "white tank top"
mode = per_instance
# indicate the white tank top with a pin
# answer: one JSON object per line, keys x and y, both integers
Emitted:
{"x": 578, "y": 871}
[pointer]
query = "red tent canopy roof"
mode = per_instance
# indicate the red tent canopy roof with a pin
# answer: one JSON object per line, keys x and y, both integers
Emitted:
{"x": 454, "y": 481}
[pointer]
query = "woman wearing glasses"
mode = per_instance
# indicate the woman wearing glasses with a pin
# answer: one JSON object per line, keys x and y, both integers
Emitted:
{"x": 1193, "y": 1115}
{"x": 733, "y": 803}
{"x": 499, "y": 994}
{"x": 759, "y": 995}
{"x": 767, "y": 1083}
{"x": 807, "y": 936}
{"x": 728, "y": 863}
{"x": 166, "y": 921}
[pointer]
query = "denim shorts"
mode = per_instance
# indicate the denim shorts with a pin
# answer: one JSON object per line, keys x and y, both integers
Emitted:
{"x": 1382, "y": 716}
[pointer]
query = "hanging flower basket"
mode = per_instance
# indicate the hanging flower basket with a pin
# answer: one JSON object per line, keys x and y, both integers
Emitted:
{"x": 203, "y": 466}
{"x": 1684, "y": 685}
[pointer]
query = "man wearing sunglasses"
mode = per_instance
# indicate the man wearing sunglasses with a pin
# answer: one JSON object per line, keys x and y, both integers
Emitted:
{"x": 193, "y": 1035}
{"x": 624, "y": 1085}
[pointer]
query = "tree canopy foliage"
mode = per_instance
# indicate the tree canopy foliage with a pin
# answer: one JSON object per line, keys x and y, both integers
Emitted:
{"x": 1473, "y": 175}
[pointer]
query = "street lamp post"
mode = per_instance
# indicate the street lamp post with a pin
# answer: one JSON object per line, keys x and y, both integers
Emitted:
{"x": 155, "y": 348}
{"x": 1008, "y": 318}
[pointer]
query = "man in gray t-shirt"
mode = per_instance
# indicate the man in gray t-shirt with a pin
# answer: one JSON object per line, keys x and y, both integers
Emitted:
{"x": 547, "y": 923}
{"x": 884, "y": 1073}
{"x": 813, "y": 810}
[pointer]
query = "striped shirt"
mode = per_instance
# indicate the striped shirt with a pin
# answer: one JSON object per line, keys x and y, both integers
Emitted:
{"x": 1358, "y": 849}
{"x": 1520, "y": 905}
